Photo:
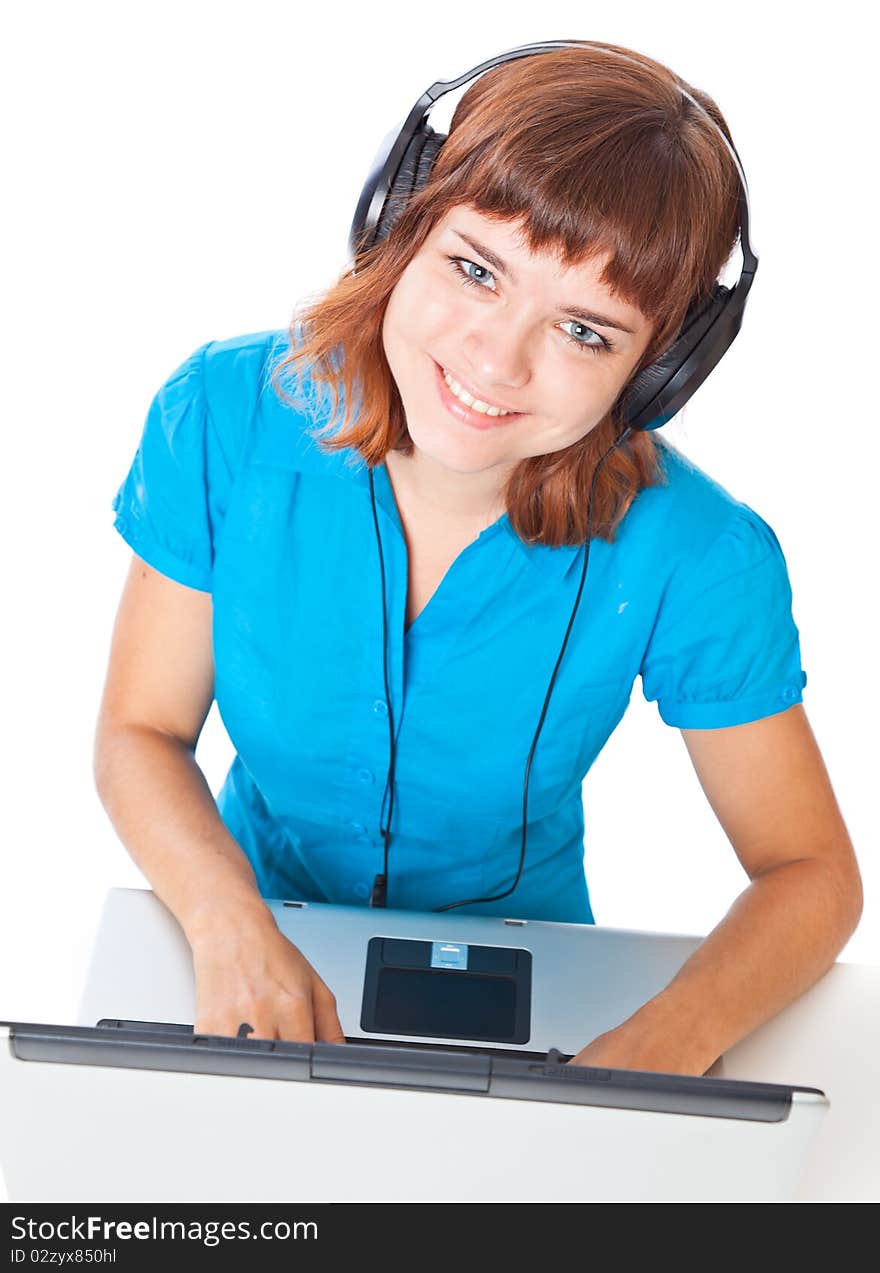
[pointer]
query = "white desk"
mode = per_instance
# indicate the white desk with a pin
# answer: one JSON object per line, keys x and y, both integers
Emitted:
{"x": 829, "y": 1038}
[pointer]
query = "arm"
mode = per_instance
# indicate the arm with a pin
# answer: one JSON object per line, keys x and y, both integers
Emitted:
{"x": 159, "y": 689}
{"x": 768, "y": 786}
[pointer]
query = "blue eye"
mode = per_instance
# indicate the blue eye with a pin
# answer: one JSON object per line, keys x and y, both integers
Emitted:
{"x": 461, "y": 263}
{"x": 602, "y": 342}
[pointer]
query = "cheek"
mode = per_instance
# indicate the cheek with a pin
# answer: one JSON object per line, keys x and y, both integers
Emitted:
{"x": 420, "y": 297}
{"x": 579, "y": 398}
{"x": 595, "y": 390}
{"x": 569, "y": 410}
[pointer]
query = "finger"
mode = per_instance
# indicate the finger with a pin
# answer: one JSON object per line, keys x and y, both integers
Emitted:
{"x": 214, "y": 1023}
{"x": 243, "y": 1022}
{"x": 328, "y": 1027}
{"x": 295, "y": 1024}
{"x": 263, "y": 1023}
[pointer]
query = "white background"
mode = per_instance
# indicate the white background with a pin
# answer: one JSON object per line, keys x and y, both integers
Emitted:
{"x": 180, "y": 172}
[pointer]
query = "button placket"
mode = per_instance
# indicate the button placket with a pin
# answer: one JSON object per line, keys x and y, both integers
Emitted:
{"x": 369, "y": 756}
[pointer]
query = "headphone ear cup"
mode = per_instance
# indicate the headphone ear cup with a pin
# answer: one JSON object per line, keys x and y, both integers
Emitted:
{"x": 661, "y": 388}
{"x": 411, "y": 176}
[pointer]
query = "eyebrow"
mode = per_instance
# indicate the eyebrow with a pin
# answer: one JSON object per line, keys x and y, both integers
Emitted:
{"x": 582, "y": 315}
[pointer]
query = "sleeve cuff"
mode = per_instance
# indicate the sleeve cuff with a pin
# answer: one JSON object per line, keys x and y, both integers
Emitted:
{"x": 740, "y": 712}
{"x": 160, "y": 559}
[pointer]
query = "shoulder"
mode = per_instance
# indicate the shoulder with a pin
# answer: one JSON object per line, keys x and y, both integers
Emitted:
{"x": 262, "y": 412}
{"x": 723, "y": 647}
{"x": 234, "y": 373}
{"x": 689, "y": 518}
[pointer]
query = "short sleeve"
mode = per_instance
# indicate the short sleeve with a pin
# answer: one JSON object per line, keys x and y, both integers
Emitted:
{"x": 725, "y": 649}
{"x": 171, "y": 503}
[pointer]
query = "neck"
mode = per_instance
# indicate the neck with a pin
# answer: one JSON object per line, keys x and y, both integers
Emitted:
{"x": 464, "y": 497}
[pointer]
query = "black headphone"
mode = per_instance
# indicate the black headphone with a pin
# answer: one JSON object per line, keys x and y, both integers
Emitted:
{"x": 401, "y": 168}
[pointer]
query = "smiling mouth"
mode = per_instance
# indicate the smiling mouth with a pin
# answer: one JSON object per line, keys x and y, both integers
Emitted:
{"x": 481, "y": 405}
{"x": 461, "y": 404}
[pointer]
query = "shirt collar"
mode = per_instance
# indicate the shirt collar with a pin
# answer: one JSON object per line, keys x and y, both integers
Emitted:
{"x": 557, "y": 561}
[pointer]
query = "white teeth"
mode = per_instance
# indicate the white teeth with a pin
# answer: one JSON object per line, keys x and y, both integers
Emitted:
{"x": 474, "y": 403}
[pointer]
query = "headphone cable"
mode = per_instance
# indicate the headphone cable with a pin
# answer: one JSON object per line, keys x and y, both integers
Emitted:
{"x": 379, "y": 893}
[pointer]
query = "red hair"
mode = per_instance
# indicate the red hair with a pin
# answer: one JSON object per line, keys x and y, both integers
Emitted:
{"x": 546, "y": 140}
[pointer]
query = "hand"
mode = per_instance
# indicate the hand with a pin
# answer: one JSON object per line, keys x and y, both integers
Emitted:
{"x": 247, "y": 971}
{"x": 633, "y": 1047}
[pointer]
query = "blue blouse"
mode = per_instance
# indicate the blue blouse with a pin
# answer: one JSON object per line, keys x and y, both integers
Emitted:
{"x": 228, "y": 493}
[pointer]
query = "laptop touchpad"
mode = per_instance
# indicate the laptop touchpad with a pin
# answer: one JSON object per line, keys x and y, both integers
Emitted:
{"x": 447, "y": 990}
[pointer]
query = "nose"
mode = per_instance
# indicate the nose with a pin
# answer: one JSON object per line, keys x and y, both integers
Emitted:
{"x": 497, "y": 357}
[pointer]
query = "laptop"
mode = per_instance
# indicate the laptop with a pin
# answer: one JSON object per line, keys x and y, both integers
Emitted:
{"x": 452, "y": 1085}
{"x": 549, "y": 984}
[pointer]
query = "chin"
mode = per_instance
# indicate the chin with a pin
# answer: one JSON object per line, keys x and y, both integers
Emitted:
{"x": 452, "y": 463}
{"x": 457, "y": 458}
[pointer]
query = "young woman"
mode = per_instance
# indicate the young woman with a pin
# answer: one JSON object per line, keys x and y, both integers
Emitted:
{"x": 365, "y": 537}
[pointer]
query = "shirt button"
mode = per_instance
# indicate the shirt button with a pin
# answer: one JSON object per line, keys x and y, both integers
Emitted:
{"x": 361, "y": 889}
{"x": 358, "y": 828}
{"x": 365, "y": 776}
{"x": 121, "y": 523}
{"x": 790, "y": 694}
{"x": 380, "y": 707}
